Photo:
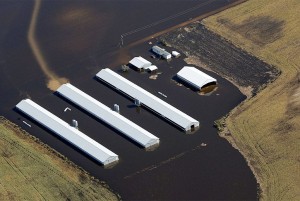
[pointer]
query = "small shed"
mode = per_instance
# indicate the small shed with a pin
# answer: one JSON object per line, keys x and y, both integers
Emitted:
{"x": 161, "y": 52}
{"x": 140, "y": 63}
{"x": 175, "y": 54}
{"x": 152, "y": 68}
{"x": 195, "y": 77}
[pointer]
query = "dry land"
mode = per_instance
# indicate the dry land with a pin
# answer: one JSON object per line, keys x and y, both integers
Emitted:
{"x": 256, "y": 45}
{"x": 266, "y": 128}
{"x": 30, "y": 170}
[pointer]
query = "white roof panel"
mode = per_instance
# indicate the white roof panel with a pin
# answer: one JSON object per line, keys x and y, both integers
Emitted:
{"x": 140, "y": 62}
{"x": 195, "y": 76}
{"x": 104, "y": 113}
{"x": 161, "y": 52}
{"x": 64, "y": 130}
{"x": 175, "y": 53}
{"x": 159, "y": 106}
{"x": 152, "y": 68}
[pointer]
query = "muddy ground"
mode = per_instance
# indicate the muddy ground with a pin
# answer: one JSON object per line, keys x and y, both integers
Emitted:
{"x": 210, "y": 51}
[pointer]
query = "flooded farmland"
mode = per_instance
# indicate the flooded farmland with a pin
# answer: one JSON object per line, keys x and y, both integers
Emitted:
{"x": 79, "y": 38}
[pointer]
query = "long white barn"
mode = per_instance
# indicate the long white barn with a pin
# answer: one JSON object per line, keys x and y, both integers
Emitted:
{"x": 104, "y": 113}
{"x": 70, "y": 134}
{"x": 147, "y": 99}
{"x": 195, "y": 77}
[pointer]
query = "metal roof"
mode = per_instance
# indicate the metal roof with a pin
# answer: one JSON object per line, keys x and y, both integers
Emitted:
{"x": 140, "y": 62}
{"x": 195, "y": 77}
{"x": 154, "y": 103}
{"x": 64, "y": 130}
{"x": 152, "y": 68}
{"x": 175, "y": 53}
{"x": 104, "y": 113}
{"x": 161, "y": 51}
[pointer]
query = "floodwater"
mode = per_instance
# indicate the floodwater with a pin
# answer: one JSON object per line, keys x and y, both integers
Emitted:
{"x": 78, "y": 38}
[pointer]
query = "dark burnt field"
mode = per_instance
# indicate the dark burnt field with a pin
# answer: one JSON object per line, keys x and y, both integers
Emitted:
{"x": 212, "y": 52}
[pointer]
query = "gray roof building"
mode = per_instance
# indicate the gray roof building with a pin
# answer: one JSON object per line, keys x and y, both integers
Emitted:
{"x": 161, "y": 52}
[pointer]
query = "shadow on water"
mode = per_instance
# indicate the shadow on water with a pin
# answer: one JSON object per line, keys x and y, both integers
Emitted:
{"x": 132, "y": 106}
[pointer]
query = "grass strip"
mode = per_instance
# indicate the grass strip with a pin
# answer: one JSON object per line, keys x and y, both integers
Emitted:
{"x": 31, "y": 170}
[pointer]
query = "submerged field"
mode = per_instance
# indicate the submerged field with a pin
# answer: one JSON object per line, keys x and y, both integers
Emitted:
{"x": 46, "y": 41}
{"x": 208, "y": 50}
{"x": 266, "y": 128}
{"x": 30, "y": 170}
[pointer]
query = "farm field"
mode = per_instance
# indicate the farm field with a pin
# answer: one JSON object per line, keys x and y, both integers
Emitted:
{"x": 30, "y": 170}
{"x": 266, "y": 127}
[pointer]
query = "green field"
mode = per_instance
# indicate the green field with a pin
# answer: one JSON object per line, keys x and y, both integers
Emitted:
{"x": 266, "y": 128}
{"x": 30, "y": 170}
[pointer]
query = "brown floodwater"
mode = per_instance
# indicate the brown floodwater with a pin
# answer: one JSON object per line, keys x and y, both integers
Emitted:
{"x": 73, "y": 40}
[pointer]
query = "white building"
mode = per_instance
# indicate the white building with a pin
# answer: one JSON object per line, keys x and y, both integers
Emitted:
{"x": 65, "y": 131}
{"x": 140, "y": 63}
{"x": 152, "y": 68}
{"x": 112, "y": 118}
{"x": 147, "y": 99}
{"x": 161, "y": 52}
{"x": 195, "y": 77}
{"x": 175, "y": 54}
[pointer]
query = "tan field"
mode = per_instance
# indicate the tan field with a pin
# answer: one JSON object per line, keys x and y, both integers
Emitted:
{"x": 30, "y": 170}
{"x": 266, "y": 128}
